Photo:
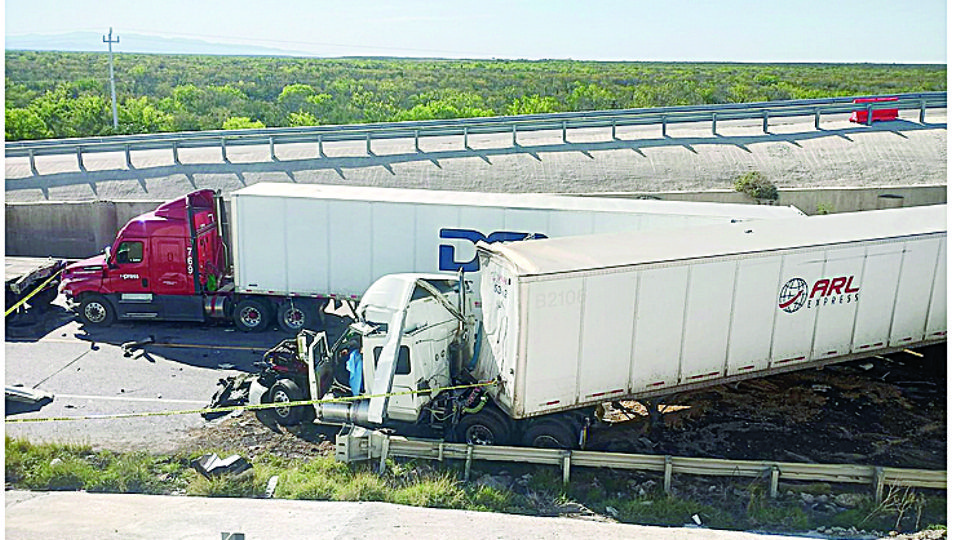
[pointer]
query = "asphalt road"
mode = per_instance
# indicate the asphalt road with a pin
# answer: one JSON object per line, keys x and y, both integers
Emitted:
{"x": 90, "y": 373}
{"x": 95, "y": 516}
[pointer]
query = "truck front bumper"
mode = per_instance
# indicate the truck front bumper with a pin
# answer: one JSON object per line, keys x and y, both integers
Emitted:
{"x": 257, "y": 392}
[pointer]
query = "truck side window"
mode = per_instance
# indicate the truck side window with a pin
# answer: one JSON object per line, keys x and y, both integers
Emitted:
{"x": 130, "y": 252}
{"x": 403, "y": 362}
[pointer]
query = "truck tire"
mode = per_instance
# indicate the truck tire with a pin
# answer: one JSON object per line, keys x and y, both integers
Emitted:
{"x": 487, "y": 427}
{"x": 295, "y": 315}
{"x": 96, "y": 310}
{"x": 287, "y": 391}
{"x": 550, "y": 434}
{"x": 252, "y": 315}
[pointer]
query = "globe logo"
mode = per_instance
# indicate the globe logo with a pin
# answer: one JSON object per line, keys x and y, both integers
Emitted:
{"x": 793, "y": 295}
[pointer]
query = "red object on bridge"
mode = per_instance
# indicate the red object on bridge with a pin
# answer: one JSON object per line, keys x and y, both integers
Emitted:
{"x": 879, "y": 115}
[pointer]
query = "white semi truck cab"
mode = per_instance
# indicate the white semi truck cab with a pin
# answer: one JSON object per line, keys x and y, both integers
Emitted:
{"x": 416, "y": 337}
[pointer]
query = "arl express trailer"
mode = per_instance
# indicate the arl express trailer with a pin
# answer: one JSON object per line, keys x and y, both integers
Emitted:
{"x": 571, "y": 322}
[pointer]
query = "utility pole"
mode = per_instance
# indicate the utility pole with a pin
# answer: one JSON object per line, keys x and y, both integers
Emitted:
{"x": 113, "y": 87}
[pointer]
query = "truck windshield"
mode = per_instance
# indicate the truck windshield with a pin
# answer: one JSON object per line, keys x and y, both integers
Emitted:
{"x": 130, "y": 252}
{"x": 443, "y": 285}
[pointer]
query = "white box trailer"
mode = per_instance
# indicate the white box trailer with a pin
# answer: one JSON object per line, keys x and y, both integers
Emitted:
{"x": 572, "y": 322}
{"x": 334, "y": 241}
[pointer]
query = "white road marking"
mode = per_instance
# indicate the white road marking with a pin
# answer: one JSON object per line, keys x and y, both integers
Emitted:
{"x": 123, "y": 398}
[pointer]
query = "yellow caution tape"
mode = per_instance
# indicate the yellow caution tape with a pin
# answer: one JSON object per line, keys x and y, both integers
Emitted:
{"x": 237, "y": 407}
{"x": 29, "y": 296}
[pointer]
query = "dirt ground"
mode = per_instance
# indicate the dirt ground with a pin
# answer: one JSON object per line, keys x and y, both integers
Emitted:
{"x": 888, "y": 411}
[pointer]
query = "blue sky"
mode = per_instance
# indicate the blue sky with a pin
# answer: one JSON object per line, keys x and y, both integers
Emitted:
{"x": 901, "y": 31}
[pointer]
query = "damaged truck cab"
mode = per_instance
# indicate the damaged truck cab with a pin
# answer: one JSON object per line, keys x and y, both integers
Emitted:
{"x": 416, "y": 334}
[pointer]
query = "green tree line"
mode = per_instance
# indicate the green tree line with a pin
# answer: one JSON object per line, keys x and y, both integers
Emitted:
{"x": 59, "y": 95}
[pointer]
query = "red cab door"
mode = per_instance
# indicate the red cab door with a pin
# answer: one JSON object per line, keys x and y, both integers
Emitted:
{"x": 128, "y": 272}
{"x": 170, "y": 267}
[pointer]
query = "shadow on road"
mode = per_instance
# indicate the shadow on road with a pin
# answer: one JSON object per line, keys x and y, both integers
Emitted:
{"x": 213, "y": 345}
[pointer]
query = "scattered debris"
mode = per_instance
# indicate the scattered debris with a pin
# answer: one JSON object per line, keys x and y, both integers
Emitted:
{"x": 271, "y": 487}
{"x": 231, "y": 392}
{"x": 27, "y": 395}
{"x": 130, "y": 346}
{"x": 210, "y": 465}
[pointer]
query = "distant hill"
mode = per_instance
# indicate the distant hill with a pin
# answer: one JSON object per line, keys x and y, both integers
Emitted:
{"x": 137, "y": 43}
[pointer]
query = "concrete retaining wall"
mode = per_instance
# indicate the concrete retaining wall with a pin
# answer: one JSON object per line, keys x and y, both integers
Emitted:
{"x": 81, "y": 229}
{"x": 816, "y": 201}
{"x": 70, "y": 230}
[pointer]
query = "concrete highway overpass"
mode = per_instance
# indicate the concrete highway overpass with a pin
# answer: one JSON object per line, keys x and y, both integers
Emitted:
{"x": 640, "y": 160}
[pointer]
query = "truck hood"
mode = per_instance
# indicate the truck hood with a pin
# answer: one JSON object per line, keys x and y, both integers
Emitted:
{"x": 84, "y": 271}
{"x": 93, "y": 264}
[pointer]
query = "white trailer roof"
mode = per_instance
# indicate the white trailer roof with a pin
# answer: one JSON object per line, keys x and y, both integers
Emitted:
{"x": 593, "y": 252}
{"x": 515, "y": 200}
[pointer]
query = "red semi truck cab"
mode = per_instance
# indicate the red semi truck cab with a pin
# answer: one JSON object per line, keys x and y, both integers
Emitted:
{"x": 167, "y": 264}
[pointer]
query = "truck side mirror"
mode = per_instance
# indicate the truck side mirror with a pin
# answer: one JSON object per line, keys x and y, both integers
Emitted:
{"x": 107, "y": 253}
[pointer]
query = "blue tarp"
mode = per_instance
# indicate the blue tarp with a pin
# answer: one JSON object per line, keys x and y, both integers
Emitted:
{"x": 355, "y": 367}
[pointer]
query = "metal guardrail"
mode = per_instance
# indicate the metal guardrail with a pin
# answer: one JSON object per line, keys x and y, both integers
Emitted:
{"x": 611, "y": 119}
{"x": 359, "y": 444}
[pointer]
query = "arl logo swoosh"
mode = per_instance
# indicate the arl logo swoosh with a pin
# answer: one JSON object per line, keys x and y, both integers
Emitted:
{"x": 793, "y": 294}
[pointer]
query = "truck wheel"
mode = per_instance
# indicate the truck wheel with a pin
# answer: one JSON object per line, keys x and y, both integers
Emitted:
{"x": 252, "y": 315}
{"x": 295, "y": 315}
{"x": 287, "y": 391}
{"x": 96, "y": 310}
{"x": 485, "y": 428}
{"x": 549, "y": 434}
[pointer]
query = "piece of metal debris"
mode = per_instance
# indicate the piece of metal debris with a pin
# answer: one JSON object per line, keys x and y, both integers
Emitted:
{"x": 271, "y": 487}
{"x": 210, "y": 465}
{"x": 231, "y": 392}
{"x": 129, "y": 346}
{"x": 26, "y": 395}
